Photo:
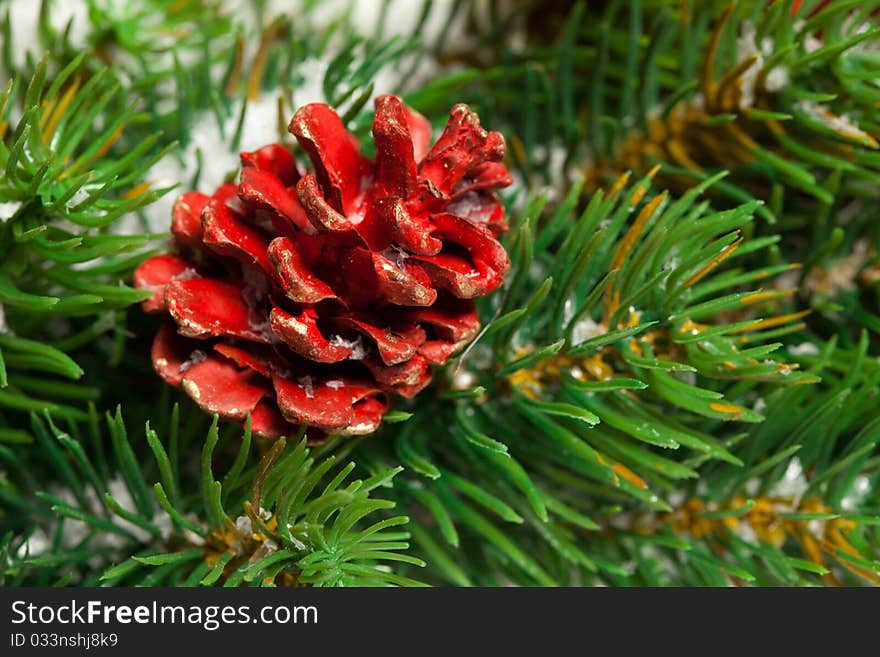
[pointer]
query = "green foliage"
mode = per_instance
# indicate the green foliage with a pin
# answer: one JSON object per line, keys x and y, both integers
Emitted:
{"x": 608, "y": 85}
{"x": 289, "y": 515}
{"x": 671, "y": 389}
{"x": 832, "y": 429}
{"x": 63, "y": 185}
{"x": 550, "y": 446}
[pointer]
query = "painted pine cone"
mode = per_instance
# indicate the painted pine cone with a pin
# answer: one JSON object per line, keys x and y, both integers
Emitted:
{"x": 312, "y": 297}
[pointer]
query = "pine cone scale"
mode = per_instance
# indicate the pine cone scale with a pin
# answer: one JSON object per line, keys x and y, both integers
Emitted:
{"x": 300, "y": 284}
{"x": 304, "y": 337}
{"x": 334, "y": 152}
{"x": 396, "y": 170}
{"x": 207, "y": 308}
{"x": 262, "y": 190}
{"x": 219, "y": 386}
{"x": 224, "y": 234}
{"x": 156, "y": 274}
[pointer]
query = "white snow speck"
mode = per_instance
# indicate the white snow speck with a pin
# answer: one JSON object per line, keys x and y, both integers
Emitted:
{"x": 793, "y": 483}
{"x": 841, "y": 124}
{"x": 7, "y": 209}
{"x": 463, "y": 380}
{"x": 305, "y": 382}
{"x": 37, "y": 543}
{"x": 804, "y": 349}
{"x": 358, "y": 349}
{"x": 586, "y": 328}
{"x": 195, "y": 357}
{"x": 777, "y": 79}
{"x": 857, "y": 493}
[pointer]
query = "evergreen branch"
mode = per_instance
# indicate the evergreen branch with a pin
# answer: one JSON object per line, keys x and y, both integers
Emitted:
{"x": 607, "y": 421}
{"x": 66, "y": 185}
{"x": 295, "y": 524}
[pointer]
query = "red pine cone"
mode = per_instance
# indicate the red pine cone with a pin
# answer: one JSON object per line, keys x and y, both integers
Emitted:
{"x": 311, "y": 297}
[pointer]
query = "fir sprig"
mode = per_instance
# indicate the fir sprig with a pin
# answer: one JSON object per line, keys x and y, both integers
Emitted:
{"x": 802, "y": 509}
{"x": 590, "y": 409}
{"x": 63, "y": 185}
{"x": 626, "y": 415}
{"x": 288, "y": 519}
